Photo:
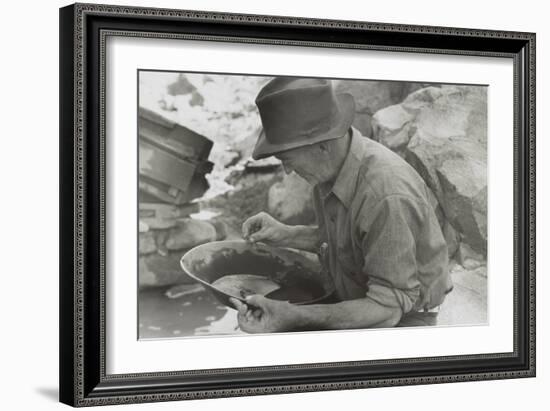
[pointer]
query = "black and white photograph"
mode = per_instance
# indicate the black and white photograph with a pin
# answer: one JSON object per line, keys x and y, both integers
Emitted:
{"x": 272, "y": 204}
{"x": 263, "y": 204}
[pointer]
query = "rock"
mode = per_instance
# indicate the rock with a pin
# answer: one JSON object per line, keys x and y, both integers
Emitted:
{"x": 160, "y": 216}
{"x": 163, "y": 210}
{"x": 290, "y": 200}
{"x": 451, "y": 237}
{"x": 221, "y": 229}
{"x": 189, "y": 233}
{"x": 468, "y": 258}
{"x": 392, "y": 127}
{"x": 247, "y": 197}
{"x": 162, "y": 235}
{"x": 448, "y": 148}
{"x": 196, "y": 99}
{"x": 473, "y": 280}
{"x": 158, "y": 271}
{"x": 363, "y": 123}
{"x": 246, "y": 144}
{"x": 250, "y": 177}
{"x": 143, "y": 226}
{"x": 481, "y": 271}
{"x": 159, "y": 223}
{"x": 372, "y": 96}
{"x": 147, "y": 243}
{"x": 228, "y": 158}
{"x": 181, "y": 86}
{"x": 263, "y": 165}
{"x": 463, "y": 198}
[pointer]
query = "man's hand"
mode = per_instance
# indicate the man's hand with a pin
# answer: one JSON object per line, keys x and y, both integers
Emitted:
{"x": 262, "y": 227}
{"x": 263, "y": 315}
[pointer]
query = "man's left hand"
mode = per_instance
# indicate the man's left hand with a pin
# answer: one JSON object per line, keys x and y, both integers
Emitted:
{"x": 263, "y": 315}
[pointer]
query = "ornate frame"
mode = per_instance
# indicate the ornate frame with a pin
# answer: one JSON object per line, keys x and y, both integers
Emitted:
{"x": 83, "y": 31}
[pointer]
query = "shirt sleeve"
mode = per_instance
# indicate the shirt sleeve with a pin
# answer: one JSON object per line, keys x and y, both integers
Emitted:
{"x": 389, "y": 233}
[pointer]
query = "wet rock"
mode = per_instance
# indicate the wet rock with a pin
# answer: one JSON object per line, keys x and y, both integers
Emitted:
{"x": 147, "y": 243}
{"x": 290, "y": 200}
{"x": 189, "y": 233}
{"x": 448, "y": 148}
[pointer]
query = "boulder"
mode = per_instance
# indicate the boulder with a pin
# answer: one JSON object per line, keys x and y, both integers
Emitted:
{"x": 143, "y": 226}
{"x": 160, "y": 216}
{"x": 392, "y": 127}
{"x": 229, "y": 158}
{"x": 451, "y": 237}
{"x": 147, "y": 243}
{"x": 290, "y": 200}
{"x": 468, "y": 258}
{"x": 254, "y": 174}
{"x": 189, "y": 233}
{"x": 372, "y": 96}
{"x": 158, "y": 271}
{"x": 181, "y": 86}
{"x": 448, "y": 148}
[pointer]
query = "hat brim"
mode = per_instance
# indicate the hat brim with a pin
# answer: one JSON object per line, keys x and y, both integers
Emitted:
{"x": 346, "y": 103}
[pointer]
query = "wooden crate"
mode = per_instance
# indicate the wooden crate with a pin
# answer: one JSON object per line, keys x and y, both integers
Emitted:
{"x": 173, "y": 160}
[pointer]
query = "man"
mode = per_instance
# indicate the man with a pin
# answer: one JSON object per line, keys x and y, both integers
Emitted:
{"x": 377, "y": 233}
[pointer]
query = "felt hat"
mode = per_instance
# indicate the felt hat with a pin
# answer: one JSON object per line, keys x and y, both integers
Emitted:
{"x": 296, "y": 112}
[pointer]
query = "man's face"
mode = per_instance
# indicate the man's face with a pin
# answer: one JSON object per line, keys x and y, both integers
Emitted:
{"x": 304, "y": 161}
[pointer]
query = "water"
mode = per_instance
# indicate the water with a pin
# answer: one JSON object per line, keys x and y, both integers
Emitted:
{"x": 193, "y": 314}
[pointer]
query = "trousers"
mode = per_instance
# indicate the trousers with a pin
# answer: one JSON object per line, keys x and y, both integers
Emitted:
{"x": 418, "y": 319}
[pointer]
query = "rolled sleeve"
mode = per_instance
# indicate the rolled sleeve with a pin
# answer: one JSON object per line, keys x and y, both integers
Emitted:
{"x": 389, "y": 232}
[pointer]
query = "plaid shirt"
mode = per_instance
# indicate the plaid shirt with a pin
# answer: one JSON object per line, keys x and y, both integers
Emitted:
{"x": 382, "y": 237}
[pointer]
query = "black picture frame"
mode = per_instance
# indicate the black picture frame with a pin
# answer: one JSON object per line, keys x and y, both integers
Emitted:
{"x": 83, "y": 29}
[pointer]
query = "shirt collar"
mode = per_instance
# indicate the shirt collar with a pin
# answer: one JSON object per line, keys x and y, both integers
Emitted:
{"x": 344, "y": 185}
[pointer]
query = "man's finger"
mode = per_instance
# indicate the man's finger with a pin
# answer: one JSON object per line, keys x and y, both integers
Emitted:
{"x": 250, "y": 316}
{"x": 239, "y": 306}
{"x": 257, "y": 300}
{"x": 257, "y": 313}
{"x": 246, "y": 227}
{"x": 251, "y": 225}
{"x": 265, "y": 234}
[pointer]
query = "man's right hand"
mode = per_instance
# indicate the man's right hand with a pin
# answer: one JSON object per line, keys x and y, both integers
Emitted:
{"x": 262, "y": 227}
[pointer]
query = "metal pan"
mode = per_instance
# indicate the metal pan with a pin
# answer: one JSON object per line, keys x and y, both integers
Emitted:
{"x": 301, "y": 279}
